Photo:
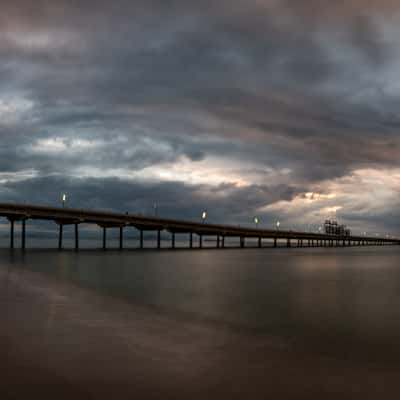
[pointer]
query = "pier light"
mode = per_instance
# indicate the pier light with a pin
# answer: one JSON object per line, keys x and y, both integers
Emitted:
{"x": 320, "y": 229}
{"x": 278, "y": 224}
{"x": 64, "y": 199}
{"x": 256, "y": 220}
{"x": 204, "y": 215}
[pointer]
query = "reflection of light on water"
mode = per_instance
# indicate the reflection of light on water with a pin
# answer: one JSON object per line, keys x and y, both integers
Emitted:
{"x": 346, "y": 294}
{"x": 329, "y": 296}
{"x": 315, "y": 292}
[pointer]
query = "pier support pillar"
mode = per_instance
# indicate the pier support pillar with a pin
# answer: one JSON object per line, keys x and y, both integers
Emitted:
{"x": 200, "y": 241}
{"x": 223, "y": 241}
{"x": 173, "y": 240}
{"x": 76, "y": 237}
{"x": 159, "y": 239}
{"x": 259, "y": 242}
{"x": 191, "y": 240}
{"x": 275, "y": 242}
{"x": 242, "y": 242}
{"x": 23, "y": 234}
{"x": 121, "y": 238}
{"x": 12, "y": 228}
{"x": 60, "y": 236}
{"x": 288, "y": 244}
{"x": 104, "y": 238}
{"x": 218, "y": 242}
{"x": 141, "y": 244}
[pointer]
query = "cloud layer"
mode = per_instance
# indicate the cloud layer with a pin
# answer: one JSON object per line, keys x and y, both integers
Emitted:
{"x": 240, "y": 107}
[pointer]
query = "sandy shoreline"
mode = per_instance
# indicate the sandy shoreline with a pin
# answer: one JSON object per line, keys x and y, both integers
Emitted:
{"x": 61, "y": 341}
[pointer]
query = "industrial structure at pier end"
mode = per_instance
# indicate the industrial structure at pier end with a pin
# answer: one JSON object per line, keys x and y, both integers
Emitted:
{"x": 333, "y": 228}
{"x": 334, "y": 235}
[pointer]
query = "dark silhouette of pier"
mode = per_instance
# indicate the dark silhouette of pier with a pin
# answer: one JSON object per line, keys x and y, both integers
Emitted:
{"x": 68, "y": 216}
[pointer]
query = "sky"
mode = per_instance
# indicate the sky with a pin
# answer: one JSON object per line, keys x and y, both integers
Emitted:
{"x": 282, "y": 109}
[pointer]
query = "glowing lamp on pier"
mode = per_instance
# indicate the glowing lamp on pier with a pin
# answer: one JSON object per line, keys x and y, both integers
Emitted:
{"x": 204, "y": 215}
{"x": 256, "y": 220}
{"x": 278, "y": 224}
{"x": 64, "y": 199}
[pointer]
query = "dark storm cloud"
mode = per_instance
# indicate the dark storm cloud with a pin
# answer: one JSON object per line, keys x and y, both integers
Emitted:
{"x": 301, "y": 85}
{"x": 366, "y": 37}
{"x": 174, "y": 199}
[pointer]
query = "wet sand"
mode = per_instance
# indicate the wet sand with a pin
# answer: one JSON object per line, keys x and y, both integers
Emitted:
{"x": 60, "y": 341}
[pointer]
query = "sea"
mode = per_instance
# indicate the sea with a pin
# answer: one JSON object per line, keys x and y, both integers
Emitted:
{"x": 338, "y": 304}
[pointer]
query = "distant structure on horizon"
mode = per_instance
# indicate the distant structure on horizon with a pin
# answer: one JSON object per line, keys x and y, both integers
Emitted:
{"x": 333, "y": 228}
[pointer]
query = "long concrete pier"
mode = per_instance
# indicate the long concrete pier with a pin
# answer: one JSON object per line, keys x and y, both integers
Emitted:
{"x": 17, "y": 213}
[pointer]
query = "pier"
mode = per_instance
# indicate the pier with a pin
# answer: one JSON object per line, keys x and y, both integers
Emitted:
{"x": 20, "y": 214}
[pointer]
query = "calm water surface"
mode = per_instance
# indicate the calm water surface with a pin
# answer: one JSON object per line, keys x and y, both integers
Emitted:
{"x": 339, "y": 302}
